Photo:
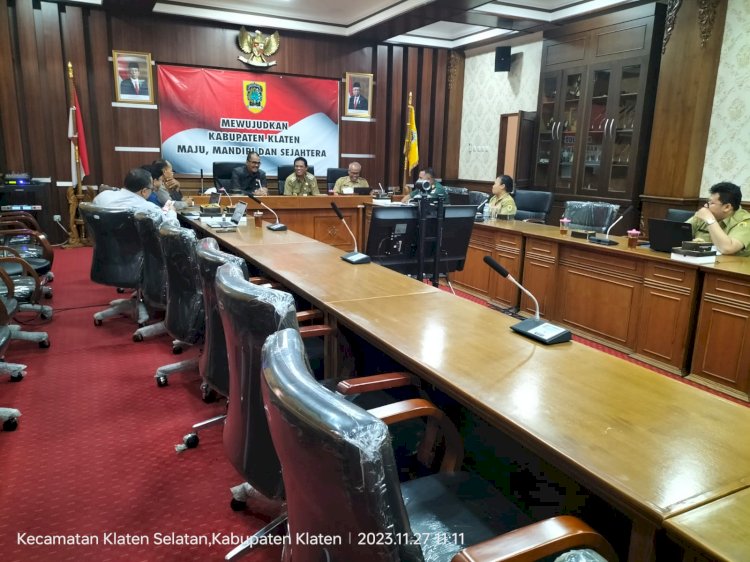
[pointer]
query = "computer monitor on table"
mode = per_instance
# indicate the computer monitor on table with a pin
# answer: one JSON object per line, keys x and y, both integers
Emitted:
{"x": 392, "y": 237}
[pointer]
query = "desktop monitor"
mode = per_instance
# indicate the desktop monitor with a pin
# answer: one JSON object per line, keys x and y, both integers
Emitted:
{"x": 457, "y": 228}
{"x": 392, "y": 237}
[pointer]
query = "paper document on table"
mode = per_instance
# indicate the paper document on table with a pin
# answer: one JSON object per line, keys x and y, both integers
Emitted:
{"x": 547, "y": 330}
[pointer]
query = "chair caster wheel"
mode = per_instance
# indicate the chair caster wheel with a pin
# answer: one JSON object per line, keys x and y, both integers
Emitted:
{"x": 137, "y": 337}
{"x": 191, "y": 441}
{"x": 10, "y": 424}
{"x": 97, "y": 322}
{"x": 120, "y": 290}
{"x": 161, "y": 381}
{"x": 237, "y": 505}
{"x": 208, "y": 395}
{"x": 45, "y": 316}
{"x": 44, "y": 344}
{"x": 176, "y": 349}
{"x": 17, "y": 377}
{"x": 48, "y": 294}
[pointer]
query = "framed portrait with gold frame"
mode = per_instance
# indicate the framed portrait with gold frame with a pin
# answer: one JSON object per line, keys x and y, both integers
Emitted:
{"x": 358, "y": 95}
{"x": 133, "y": 77}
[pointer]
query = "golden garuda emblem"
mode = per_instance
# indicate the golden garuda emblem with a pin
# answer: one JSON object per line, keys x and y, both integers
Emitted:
{"x": 258, "y": 46}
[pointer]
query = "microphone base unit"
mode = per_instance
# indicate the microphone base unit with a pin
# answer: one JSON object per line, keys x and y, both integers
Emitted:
{"x": 276, "y": 227}
{"x": 542, "y": 331}
{"x": 603, "y": 241}
{"x": 212, "y": 211}
{"x": 356, "y": 258}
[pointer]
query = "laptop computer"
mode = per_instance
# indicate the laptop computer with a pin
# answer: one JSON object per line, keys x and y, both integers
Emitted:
{"x": 233, "y": 222}
{"x": 664, "y": 235}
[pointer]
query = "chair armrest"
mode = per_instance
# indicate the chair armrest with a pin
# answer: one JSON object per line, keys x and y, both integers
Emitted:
{"x": 420, "y": 408}
{"x": 384, "y": 381}
{"x": 23, "y": 217}
{"x": 316, "y": 331}
{"x": 11, "y": 223}
{"x": 27, "y": 270}
{"x": 9, "y": 250}
{"x": 47, "y": 250}
{"x": 307, "y": 315}
{"x": 538, "y": 540}
{"x": 264, "y": 281}
{"x": 5, "y": 278}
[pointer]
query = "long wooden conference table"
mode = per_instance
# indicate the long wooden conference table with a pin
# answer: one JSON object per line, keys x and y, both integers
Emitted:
{"x": 653, "y": 447}
{"x": 667, "y": 313}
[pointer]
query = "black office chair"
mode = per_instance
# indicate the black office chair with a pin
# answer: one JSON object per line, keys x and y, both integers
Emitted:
{"x": 222, "y": 172}
{"x": 286, "y": 171}
{"x": 154, "y": 280}
{"x": 587, "y": 215}
{"x": 477, "y": 197}
{"x": 117, "y": 260}
{"x": 532, "y": 206}
{"x": 679, "y": 215}
{"x": 9, "y": 416}
{"x": 333, "y": 174}
{"x": 184, "y": 319}
{"x": 457, "y": 196}
{"x": 355, "y": 488}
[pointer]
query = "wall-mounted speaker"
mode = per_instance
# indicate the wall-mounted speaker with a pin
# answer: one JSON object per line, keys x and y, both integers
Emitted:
{"x": 502, "y": 59}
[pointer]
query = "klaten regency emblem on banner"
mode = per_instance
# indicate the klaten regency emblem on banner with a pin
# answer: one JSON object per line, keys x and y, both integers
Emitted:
{"x": 258, "y": 46}
{"x": 254, "y": 95}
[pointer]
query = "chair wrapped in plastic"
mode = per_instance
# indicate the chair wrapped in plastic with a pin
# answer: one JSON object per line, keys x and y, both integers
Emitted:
{"x": 212, "y": 362}
{"x": 117, "y": 260}
{"x": 27, "y": 285}
{"x": 154, "y": 277}
{"x": 184, "y": 319}
{"x": 532, "y": 206}
{"x": 679, "y": 215}
{"x": 8, "y": 416}
{"x": 31, "y": 245}
{"x": 16, "y": 295}
{"x": 355, "y": 489}
{"x": 588, "y": 215}
{"x": 477, "y": 197}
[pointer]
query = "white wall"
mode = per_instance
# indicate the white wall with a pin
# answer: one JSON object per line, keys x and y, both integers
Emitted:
{"x": 728, "y": 147}
{"x": 489, "y": 94}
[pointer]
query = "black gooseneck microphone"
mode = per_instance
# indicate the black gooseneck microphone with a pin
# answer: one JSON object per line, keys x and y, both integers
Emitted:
{"x": 479, "y": 217}
{"x": 534, "y": 328}
{"x": 354, "y": 257}
{"x": 202, "y": 190}
{"x": 605, "y": 241}
{"x": 277, "y": 226}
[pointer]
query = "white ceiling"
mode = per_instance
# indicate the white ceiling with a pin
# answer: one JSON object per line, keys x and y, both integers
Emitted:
{"x": 346, "y": 18}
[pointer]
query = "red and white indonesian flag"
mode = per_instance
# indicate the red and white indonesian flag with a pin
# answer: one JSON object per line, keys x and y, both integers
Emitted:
{"x": 79, "y": 161}
{"x": 209, "y": 116}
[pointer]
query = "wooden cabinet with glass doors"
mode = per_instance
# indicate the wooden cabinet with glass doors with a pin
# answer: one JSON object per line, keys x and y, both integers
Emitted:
{"x": 594, "y": 106}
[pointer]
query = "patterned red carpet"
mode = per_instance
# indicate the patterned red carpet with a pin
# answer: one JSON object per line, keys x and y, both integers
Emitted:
{"x": 93, "y": 458}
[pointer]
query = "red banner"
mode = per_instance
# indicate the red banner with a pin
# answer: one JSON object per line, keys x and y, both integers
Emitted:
{"x": 209, "y": 116}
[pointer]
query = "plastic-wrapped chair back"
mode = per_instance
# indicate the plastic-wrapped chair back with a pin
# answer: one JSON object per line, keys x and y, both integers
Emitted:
{"x": 534, "y": 205}
{"x": 185, "y": 319}
{"x": 154, "y": 282}
{"x": 118, "y": 252}
{"x": 355, "y": 484}
{"x": 214, "y": 366}
{"x": 333, "y": 174}
{"x": 679, "y": 215}
{"x": 477, "y": 197}
{"x": 250, "y": 313}
{"x": 587, "y": 215}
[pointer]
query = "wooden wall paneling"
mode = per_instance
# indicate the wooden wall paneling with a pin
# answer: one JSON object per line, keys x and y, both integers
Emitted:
{"x": 397, "y": 118}
{"x": 682, "y": 115}
{"x": 100, "y": 128}
{"x": 10, "y": 123}
{"x": 56, "y": 105}
{"x": 425, "y": 94}
{"x": 32, "y": 95}
{"x": 380, "y": 133}
{"x": 453, "y": 114}
{"x": 440, "y": 87}
{"x": 411, "y": 83}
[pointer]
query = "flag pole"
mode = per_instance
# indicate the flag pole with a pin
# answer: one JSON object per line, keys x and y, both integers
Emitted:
{"x": 74, "y": 192}
{"x": 406, "y": 152}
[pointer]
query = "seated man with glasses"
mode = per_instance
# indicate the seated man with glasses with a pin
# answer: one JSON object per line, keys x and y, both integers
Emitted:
{"x": 723, "y": 222}
{"x": 249, "y": 178}
{"x": 135, "y": 194}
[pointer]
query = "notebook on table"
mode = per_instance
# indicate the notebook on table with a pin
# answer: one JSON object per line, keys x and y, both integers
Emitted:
{"x": 663, "y": 235}
{"x": 233, "y": 222}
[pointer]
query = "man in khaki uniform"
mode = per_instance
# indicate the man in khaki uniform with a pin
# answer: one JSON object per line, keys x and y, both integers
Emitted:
{"x": 352, "y": 180}
{"x": 723, "y": 222}
{"x": 301, "y": 182}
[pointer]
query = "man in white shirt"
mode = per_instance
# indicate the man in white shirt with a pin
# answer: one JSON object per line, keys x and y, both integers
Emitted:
{"x": 138, "y": 186}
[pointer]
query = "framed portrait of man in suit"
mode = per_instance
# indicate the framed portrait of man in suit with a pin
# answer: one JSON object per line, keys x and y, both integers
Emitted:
{"x": 358, "y": 98}
{"x": 133, "y": 77}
